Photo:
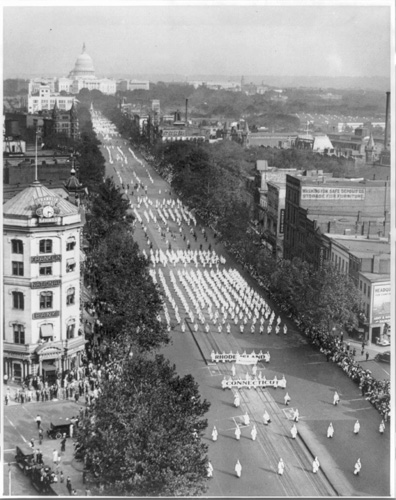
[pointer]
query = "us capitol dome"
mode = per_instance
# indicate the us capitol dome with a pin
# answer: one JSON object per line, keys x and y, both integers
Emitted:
{"x": 83, "y": 67}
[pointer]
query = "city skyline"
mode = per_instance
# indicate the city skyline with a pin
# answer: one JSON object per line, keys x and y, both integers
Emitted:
{"x": 312, "y": 40}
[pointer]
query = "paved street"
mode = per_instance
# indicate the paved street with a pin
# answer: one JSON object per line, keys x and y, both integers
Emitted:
{"x": 311, "y": 382}
{"x": 20, "y": 428}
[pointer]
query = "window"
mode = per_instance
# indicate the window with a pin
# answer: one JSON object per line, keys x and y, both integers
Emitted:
{"x": 364, "y": 288}
{"x": 70, "y": 244}
{"x": 70, "y": 330}
{"x": 47, "y": 331}
{"x": 45, "y": 300}
{"x": 17, "y": 371}
{"x": 368, "y": 291}
{"x": 19, "y": 334}
{"x": 17, "y": 246}
{"x": 18, "y": 300}
{"x": 70, "y": 265}
{"x": 45, "y": 246}
{"x": 17, "y": 268}
{"x": 71, "y": 296}
{"x": 360, "y": 284}
{"x": 45, "y": 269}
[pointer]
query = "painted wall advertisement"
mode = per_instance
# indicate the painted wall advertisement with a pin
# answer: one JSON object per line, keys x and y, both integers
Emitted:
{"x": 332, "y": 193}
{"x": 381, "y": 310}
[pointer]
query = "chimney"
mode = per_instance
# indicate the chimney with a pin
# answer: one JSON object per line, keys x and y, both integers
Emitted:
{"x": 186, "y": 111}
{"x": 376, "y": 264}
{"x": 386, "y": 121}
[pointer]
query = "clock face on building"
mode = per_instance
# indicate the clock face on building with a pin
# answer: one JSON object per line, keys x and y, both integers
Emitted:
{"x": 48, "y": 211}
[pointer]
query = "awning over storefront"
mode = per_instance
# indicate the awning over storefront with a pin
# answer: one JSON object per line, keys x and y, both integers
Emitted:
{"x": 47, "y": 367}
{"x": 46, "y": 331}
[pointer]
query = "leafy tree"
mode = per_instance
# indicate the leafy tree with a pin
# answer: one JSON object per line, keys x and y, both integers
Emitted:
{"x": 142, "y": 436}
{"x": 128, "y": 302}
{"x": 334, "y": 299}
{"x": 325, "y": 297}
{"x": 109, "y": 208}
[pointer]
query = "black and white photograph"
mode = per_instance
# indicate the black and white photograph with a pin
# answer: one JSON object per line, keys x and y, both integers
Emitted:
{"x": 198, "y": 249}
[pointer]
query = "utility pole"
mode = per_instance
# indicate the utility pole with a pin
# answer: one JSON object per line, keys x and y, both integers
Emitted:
{"x": 9, "y": 479}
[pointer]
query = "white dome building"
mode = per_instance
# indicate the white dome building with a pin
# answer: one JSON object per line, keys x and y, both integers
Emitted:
{"x": 83, "y": 67}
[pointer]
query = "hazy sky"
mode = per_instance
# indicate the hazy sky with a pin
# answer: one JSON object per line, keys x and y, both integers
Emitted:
{"x": 315, "y": 40}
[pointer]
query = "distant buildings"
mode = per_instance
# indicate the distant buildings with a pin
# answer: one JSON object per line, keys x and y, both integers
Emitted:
{"x": 43, "y": 99}
{"x": 44, "y": 92}
{"x": 128, "y": 85}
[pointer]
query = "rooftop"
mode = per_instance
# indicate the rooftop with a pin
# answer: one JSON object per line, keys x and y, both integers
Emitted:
{"x": 373, "y": 277}
{"x": 23, "y": 204}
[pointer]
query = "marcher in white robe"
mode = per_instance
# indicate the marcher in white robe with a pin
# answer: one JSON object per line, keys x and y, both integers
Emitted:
{"x": 336, "y": 398}
{"x": 209, "y": 468}
{"x": 356, "y": 427}
{"x": 246, "y": 419}
{"x": 382, "y": 427}
{"x": 238, "y": 469}
{"x": 296, "y": 415}
{"x": 358, "y": 467}
{"x": 330, "y": 431}
{"x": 254, "y": 432}
{"x": 315, "y": 465}
{"x": 238, "y": 433}
{"x": 214, "y": 434}
{"x": 233, "y": 371}
{"x": 266, "y": 418}
{"x": 237, "y": 401}
{"x": 293, "y": 431}
{"x": 287, "y": 398}
{"x": 281, "y": 467}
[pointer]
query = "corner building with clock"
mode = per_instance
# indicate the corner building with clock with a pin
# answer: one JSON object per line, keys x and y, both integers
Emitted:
{"x": 42, "y": 335}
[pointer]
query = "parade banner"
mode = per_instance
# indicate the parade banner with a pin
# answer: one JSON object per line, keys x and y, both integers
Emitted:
{"x": 242, "y": 359}
{"x": 252, "y": 383}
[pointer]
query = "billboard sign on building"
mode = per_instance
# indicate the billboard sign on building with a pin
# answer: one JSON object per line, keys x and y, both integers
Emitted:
{"x": 381, "y": 305}
{"x": 332, "y": 193}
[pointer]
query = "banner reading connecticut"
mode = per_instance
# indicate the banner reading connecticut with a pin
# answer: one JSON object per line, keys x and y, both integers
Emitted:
{"x": 381, "y": 303}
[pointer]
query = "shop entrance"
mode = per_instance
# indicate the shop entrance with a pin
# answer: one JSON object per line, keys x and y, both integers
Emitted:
{"x": 49, "y": 372}
{"x": 375, "y": 334}
{"x": 17, "y": 371}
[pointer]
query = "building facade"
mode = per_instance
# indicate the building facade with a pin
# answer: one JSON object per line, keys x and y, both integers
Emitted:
{"x": 367, "y": 263}
{"x": 44, "y": 99}
{"x": 318, "y": 205}
{"x": 41, "y": 287}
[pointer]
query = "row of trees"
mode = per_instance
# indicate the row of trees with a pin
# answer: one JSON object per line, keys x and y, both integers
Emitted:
{"x": 324, "y": 298}
{"x": 142, "y": 437}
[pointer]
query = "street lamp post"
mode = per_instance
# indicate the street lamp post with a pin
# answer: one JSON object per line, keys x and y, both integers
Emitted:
{"x": 9, "y": 479}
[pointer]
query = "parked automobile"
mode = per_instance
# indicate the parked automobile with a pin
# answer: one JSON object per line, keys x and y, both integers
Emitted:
{"x": 384, "y": 342}
{"x": 25, "y": 458}
{"x": 57, "y": 430}
{"x": 383, "y": 357}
